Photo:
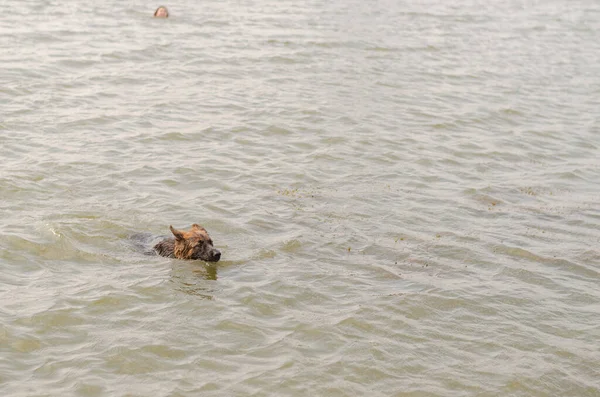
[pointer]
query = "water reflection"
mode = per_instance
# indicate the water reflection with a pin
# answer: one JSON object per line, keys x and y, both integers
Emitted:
{"x": 194, "y": 277}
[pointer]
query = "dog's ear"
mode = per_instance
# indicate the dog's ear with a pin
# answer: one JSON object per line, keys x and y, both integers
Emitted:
{"x": 197, "y": 227}
{"x": 178, "y": 235}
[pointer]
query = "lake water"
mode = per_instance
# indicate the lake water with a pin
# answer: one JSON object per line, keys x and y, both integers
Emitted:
{"x": 406, "y": 195}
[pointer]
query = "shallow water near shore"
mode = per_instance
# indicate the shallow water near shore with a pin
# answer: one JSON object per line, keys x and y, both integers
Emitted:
{"x": 405, "y": 194}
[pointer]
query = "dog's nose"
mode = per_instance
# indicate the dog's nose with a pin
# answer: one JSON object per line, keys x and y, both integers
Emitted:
{"x": 216, "y": 254}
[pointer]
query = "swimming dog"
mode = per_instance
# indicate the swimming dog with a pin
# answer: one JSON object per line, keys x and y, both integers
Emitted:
{"x": 193, "y": 244}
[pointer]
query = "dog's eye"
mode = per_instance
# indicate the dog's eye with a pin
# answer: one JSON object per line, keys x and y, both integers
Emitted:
{"x": 209, "y": 241}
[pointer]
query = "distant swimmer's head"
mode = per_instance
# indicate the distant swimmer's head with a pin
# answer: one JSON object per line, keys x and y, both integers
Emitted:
{"x": 161, "y": 12}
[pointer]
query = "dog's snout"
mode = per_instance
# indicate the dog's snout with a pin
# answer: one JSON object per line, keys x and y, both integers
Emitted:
{"x": 216, "y": 254}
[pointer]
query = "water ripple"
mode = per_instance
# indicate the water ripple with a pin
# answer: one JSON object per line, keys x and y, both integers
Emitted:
{"x": 404, "y": 194}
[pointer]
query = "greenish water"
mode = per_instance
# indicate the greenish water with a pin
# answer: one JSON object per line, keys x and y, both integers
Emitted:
{"x": 405, "y": 195}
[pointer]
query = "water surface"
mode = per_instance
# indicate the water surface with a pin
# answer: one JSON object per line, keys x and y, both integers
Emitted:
{"x": 405, "y": 195}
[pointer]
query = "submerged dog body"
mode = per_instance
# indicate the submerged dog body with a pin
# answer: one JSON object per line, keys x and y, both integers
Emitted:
{"x": 194, "y": 244}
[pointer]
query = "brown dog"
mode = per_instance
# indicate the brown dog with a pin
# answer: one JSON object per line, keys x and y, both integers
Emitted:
{"x": 195, "y": 244}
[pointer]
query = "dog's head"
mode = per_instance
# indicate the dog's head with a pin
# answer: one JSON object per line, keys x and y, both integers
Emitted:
{"x": 195, "y": 244}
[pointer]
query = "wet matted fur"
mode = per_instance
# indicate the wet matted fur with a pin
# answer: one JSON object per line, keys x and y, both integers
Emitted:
{"x": 193, "y": 244}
